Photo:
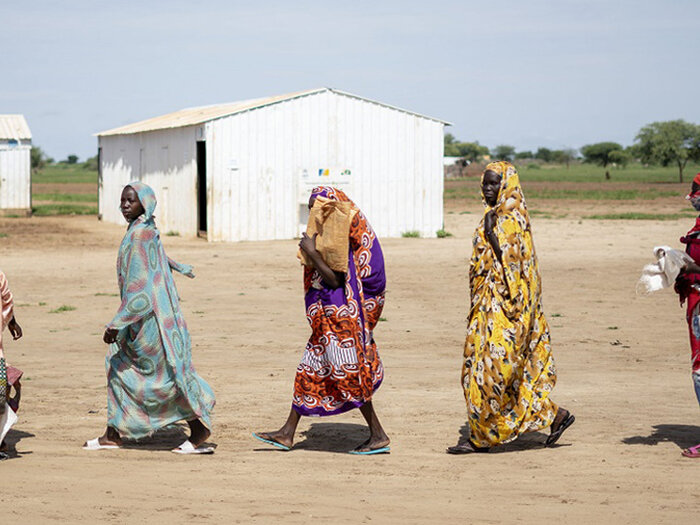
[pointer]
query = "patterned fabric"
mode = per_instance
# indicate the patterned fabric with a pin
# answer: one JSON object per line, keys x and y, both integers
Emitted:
{"x": 4, "y": 386}
{"x": 508, "y": 369}
{"x": 150, "y": 377}
{"x": 6, "y": 313}
{"x": 6, "y": 307}
{"x": 341, "y": 369}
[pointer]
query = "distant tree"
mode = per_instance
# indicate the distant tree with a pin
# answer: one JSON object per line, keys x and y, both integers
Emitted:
{"x": 90, "y": 163}
{"x": 599, "y": 154}
{"x": 564, "y": 156}
{"x": 544, "y": 154}
{"x": 472, "y": 151}
{"x": 71, "y": 159}
{"x": 504, "y": 152}
{"x": 620, "y": 157}
{"x": 670, "y": 142}
{"x": 38, "y": 159}
{"x": 524, "y": 155}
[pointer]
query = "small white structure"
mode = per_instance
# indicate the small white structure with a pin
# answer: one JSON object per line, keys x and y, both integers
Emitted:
{"x": 244, "y": 171}
{"x": 15, "y": 166}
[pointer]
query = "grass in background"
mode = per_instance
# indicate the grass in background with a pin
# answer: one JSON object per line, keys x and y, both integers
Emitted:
{"x": 635, "y": 216}
{"x": 412, "y": 233}
{"x": 441, "y": 234}
{"x": 65, "y": 173}
{"x": 65, "y": 197}
{"x": 591, "y": 173}
{"x": 44, "y": 210}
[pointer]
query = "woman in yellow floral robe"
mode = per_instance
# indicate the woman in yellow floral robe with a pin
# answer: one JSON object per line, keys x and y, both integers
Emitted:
{"x": 508, "y": 370}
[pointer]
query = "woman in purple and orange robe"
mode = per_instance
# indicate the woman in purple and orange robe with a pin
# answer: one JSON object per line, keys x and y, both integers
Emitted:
{"x": 340, "y": 369}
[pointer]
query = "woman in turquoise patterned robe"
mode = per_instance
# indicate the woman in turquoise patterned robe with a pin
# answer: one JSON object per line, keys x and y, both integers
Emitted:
{"x": 151, "y": 382}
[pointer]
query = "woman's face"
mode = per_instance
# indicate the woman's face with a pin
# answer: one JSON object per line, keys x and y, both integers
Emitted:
{"x": 490, "y": 187}
{"x": 130, "y": 205}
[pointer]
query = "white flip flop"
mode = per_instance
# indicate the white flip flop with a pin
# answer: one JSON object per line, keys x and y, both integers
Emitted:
{"x": 188, "y": 448}
{"x": 94, "y": 444}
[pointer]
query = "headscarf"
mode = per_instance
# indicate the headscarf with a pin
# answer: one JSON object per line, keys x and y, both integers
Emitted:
{"x": 329, "y": 192}
{"x": 147, "y": 197}
{"x": 510, "y": 195}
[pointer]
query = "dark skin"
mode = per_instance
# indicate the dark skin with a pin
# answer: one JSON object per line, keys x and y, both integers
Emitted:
{"x": 131, "y": 209}
{"x": 285, "y": 435}
{"x": 490, "y": 189}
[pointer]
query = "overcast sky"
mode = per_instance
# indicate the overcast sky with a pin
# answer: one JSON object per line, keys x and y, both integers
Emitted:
{"x": 560, "y": 73}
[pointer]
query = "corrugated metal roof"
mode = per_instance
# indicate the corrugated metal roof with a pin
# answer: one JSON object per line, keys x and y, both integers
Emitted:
{"x": 14, "y": 127}
{"x": 199, "y": 115}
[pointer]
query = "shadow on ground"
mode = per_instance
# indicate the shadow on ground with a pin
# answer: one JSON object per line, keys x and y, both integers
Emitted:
{"x": 529, "y": 441}
{"x": 167, "y": 438}
{"x": 683, "y": 436}
{"x": 333, "y": 437}
{"x": 12, "y": 438}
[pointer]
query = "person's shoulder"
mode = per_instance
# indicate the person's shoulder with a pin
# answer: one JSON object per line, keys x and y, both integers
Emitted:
{"x": 142, "y": 232}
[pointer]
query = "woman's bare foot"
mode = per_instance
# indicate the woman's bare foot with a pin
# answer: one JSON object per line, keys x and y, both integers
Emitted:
{"x": 279, "y": 436}
{"x": 198, "y": 432}
{"x": 373, "y": 444}
{"x": 563, "y": 420}
{"x": 110, "y": 437}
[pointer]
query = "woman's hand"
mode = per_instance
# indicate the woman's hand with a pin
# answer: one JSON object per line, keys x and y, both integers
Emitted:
{"x": 308, "y": 244}
{"x": 110, "y": 335}
{"x": 15, "y": 328}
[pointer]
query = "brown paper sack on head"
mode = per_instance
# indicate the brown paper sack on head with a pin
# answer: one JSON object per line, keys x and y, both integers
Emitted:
{"x": 331, "y": 221}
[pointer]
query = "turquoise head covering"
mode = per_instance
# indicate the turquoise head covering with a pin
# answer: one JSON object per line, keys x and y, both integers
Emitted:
{"x": 147, "y": 197}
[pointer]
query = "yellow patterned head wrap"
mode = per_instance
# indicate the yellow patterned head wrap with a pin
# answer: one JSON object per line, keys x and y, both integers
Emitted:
{"x": 510, "y": 195}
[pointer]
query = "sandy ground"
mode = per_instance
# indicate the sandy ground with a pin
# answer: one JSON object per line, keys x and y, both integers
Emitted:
{"x": 623, "y": 366}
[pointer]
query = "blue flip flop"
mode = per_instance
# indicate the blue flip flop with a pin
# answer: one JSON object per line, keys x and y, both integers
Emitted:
{"x": 271, "y": 442}
{"x": 382, "y": 450}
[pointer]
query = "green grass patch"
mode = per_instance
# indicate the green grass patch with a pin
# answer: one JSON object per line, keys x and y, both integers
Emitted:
{"x": 3, "y": 235}
{"x": 65, "y": 173}
{"x": 441, "y": 234}
{"x": 104, "y": 294}
{"x": 592, "y": 173}
{"x": 172, "y": 234}
{"x": 412, "y": 234}
{"x": 636, "y": 216}
{"x": 63, "y": 308}
{"x": 43, "y": 210}
{"x": 615, "y": 194}
{"x": 65, "y": 197}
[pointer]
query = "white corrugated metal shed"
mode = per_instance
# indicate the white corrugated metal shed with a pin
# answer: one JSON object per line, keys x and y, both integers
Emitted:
{"x": 15, "y": 166}
{"x": 14, "y": 127}
{"x": 243, "y": 171}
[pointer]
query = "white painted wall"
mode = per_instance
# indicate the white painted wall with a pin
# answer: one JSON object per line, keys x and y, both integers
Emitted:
{"x": 15, "y": 176}
{"x": 166, "y": 161}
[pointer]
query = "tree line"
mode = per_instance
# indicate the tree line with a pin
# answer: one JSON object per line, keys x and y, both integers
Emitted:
{"x": 40, "y": 160}
{"x": 673, "y": 142}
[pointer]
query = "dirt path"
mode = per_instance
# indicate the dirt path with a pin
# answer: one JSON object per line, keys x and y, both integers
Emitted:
{"x": 623, "y": 369}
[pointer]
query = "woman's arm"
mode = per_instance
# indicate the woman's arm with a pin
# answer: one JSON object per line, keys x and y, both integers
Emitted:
{"x": 489, "y": 223}
{"x": 331, "y": 278}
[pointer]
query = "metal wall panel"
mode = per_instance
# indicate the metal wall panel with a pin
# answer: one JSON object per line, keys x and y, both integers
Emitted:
{"x": 166, "y": 161}
{"x": 15, "y": 177}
